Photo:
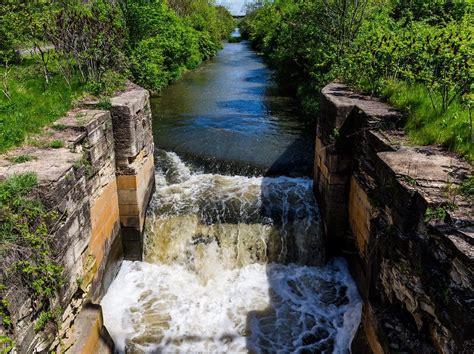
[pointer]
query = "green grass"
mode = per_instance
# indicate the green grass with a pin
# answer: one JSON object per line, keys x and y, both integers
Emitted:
{"x": 31, "y": 105}
{"x": 57, "y": 144}
{"x": 16, "y": 187}
{"x": 21, "y": 158}
{"x": 426, "y": 126}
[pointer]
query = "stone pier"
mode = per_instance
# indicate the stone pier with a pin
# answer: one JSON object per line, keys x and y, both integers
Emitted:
{"x": 134, "y": 148}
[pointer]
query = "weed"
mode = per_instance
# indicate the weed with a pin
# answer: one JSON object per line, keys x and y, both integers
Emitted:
{"x": 84, "y": 163}
{"x": 57, "y": 144}
{"x": 334, "y": 135}
{"x": 21, "y": 158}
{"x": 439, "y": 213}
{"x": 27, "y": 255}
{"x": 6, "y": 344}
{"x": 467, "y": 187}
{"x": 105, "y": 103}
{"x": 410, "y": 180}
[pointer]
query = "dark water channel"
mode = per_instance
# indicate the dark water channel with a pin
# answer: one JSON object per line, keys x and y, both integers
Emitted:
{"x": 234, "y": 259}
{"x": 230, "y": 112}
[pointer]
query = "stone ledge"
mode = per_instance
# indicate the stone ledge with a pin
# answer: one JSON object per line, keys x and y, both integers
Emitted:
{"x": 132, "y": 100}
{"x": 346, "y": 100}
{"x": 415, "y": 275}
{"x": 49, "y": 164}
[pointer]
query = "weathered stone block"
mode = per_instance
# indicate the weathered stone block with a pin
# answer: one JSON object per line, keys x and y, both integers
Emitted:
{"x": 360, "y": 215}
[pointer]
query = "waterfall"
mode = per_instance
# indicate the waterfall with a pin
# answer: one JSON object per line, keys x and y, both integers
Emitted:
{"x": 232, "y": 264}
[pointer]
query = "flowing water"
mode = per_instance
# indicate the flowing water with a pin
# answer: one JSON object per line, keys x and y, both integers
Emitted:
{"x": 234, "y": 260}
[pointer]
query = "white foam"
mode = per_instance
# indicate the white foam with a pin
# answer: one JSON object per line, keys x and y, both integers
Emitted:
{"x": 210, "y": 290}
{"x": 166, "y": 308}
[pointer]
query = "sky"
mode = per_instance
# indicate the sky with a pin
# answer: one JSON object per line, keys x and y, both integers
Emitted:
{"x": 236, "y": 7}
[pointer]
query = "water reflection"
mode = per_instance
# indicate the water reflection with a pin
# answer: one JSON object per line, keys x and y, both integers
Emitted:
{"x": 229, "y": 110}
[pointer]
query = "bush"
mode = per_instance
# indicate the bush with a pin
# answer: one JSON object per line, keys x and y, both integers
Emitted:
{"x": 109, "y": 83}
{"x": 92, "y": 37}
{"x": 436, "y": 56}
{"x": 167, "y": 41}
{"x": 148, "y": 64}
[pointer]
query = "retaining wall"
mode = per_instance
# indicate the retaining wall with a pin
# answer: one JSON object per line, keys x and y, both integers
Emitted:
{"x": 395, "y": 211}
{"x": 100, "y": 184}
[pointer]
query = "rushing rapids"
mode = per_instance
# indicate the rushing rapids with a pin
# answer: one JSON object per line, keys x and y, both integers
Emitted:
{"x": 232, "y": 264}
{"x": 233, "y": 261}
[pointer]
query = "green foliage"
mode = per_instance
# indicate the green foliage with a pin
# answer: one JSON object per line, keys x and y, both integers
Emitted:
{"x": 6, "y": 344}
{"x": 425, "y": 125}
{"x": 27, "y": 256}
{"x": 436, "y": 56}
{"x": 92, "y": 36}
{"x": 46, "y": 317}
{"x": 233, "y": 39}
{"x": 97, "y": 44}
{"x": 7, "y": 44}
{"x": 105, "y": 103}
{"x": 467, "y": 187}
{"x": 302, "y": 42}
{"x": 438, "y": 213}
{"x": 17, "y": 187}
{"x": 166, "y": 41}
{"x": 417, "y": 54}
{"x": 21, "y": 158}
{"x": 109, "y": 83}
{"x": 56, "y": 144}
{"x": 30, "y": 106}
{"x": 432, "y": 11}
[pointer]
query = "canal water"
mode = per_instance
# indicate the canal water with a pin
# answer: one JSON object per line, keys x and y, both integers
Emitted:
{"x": 234, "y": 259}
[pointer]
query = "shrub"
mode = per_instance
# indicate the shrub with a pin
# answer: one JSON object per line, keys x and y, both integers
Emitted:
{"x": 148, "y": 64}
{"x": 167, "y": 41}
{"x": 92, "y": 35}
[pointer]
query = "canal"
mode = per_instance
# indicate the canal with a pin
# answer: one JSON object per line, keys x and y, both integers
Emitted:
{"x": 234, "y": 258}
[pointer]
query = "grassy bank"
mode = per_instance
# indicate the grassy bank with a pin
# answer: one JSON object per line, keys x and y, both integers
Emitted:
{"x": 427, "y": 126}
{"x": 27, "y": 105}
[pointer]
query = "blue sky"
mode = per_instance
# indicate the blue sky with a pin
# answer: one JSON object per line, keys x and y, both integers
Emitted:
{"x": 236, "y": 6}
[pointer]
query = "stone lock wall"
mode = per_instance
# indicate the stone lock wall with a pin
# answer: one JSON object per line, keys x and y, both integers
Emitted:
{"x": 135, "y": 164}
{"x": 394, "y": 210}
{"x": 106, "y": 155}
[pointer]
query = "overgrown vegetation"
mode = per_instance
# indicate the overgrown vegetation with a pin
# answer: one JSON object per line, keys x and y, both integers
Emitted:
{"x": 416, "y": 54}
{"x": 54, "y": 52}
{"x": 27, "y": 257}
{"x": 166, "y": 40}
